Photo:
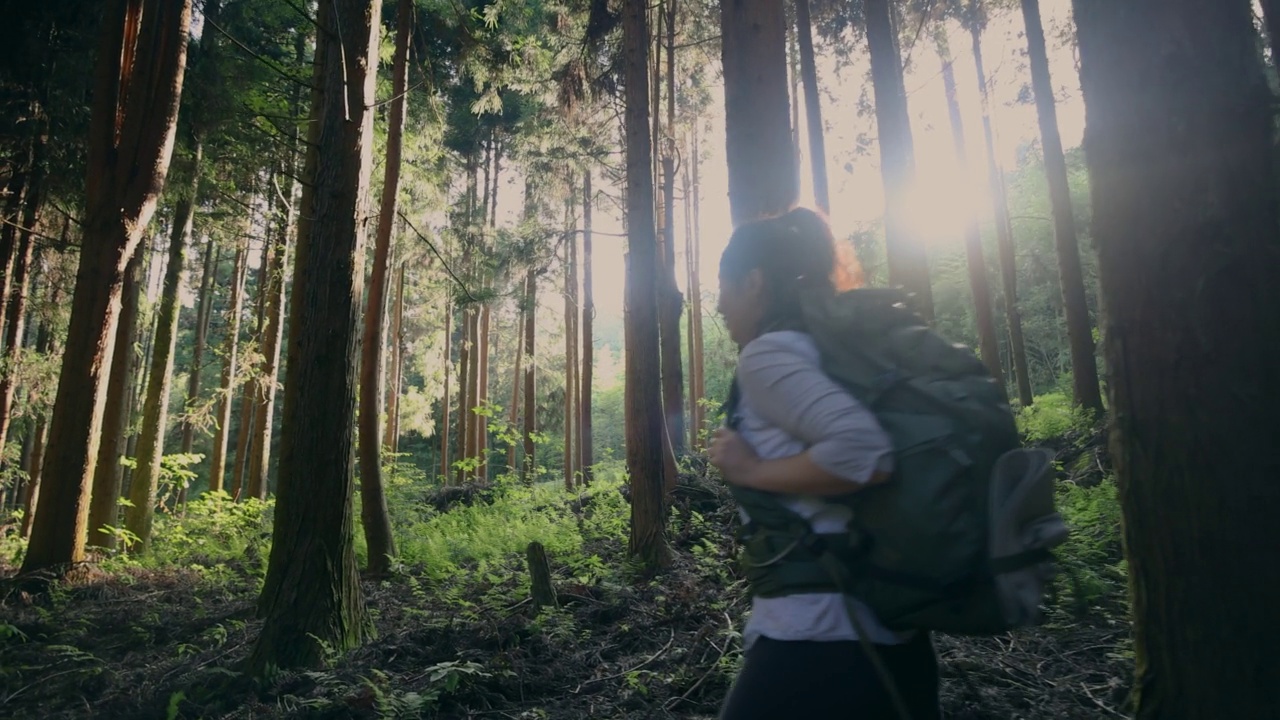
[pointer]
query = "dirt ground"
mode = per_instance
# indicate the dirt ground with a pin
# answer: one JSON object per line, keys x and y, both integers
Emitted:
{"x": 151, "y": 644}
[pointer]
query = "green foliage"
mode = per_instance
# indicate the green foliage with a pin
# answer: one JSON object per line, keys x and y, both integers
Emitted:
{"x": 1091, "y": 562}
{"x": 1052, "y": 416}
{"x": 215, "y": 536}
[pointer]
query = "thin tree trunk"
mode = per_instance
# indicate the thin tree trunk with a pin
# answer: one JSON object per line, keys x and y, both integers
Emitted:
{"x": 757, "y": 109}
{"x": 671, "y": 303}
{"x": 812, "y": 107}
{"x": 1179, "y": 142}
{"x": 1084, "y": 367}
{"x": 135, "y": 105}
{"x": 908, "y": 260}
{"x": 249, "y": 397}
{"x": 35, "y": 469}
{"x": 587, "y": 455}
{"x": 700, "y": 390}
{"x": 391, "y": 436}
{"x": 311, "y": 598}
{"x": 230, "y": 350}
{"x": 691, "y": 327}
{"x": 988, "y": 342}
{"x": 643, "y": 389}
{"x": 570, "y": 348}
{"x": 155, "y": 410}
{"x": 513, "y": 415}
{"x": 204, "y": 307}
{"x": 373, "y": 499}
{"x": 1004, "y": 230}
{"x": 443, "y": 433}
{"x": 16, "y": 311}
{"x": 527, "y": 468}
{"x": 272, "y": 335}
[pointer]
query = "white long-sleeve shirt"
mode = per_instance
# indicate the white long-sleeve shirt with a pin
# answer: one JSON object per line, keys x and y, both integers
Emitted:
{"x": 789, "y": 405}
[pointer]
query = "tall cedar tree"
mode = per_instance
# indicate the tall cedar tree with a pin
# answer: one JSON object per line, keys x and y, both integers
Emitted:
{"x": 812, "y": 107}
{"x": 155, "y": 410}
{"x": 311, "y": 599}
{"x": 253, "y": 384}
{"x": 391, "y": 435}
{"x": 908, "y": 260}
{"x": 108, "y": 473}
{"x": 443, "y": 432}
{"x": 530, "y": 402}
{"x": 1179, "y": 145}
{"x": 204, "y": 306}
{"x": 976, "y": 21}
{"x": 373, "y": 499}
{"x": 670, "y": 301}
{"x": 976, "y": 260}
{"x": 587, "y": 455}
{"x": 643, "y": 390}
{"x": 230, "y": 368}
{"x": 270, "y": 336}
{"x": 1084, "y": 366}
{"x": 137, "y": 90}
{"x": 758, "y": 145}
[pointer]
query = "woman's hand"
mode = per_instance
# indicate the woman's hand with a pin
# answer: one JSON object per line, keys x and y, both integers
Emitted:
{"x": 736, "y": 459}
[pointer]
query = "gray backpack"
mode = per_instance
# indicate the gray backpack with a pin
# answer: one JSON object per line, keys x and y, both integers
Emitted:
{"x": 959, "y": 539}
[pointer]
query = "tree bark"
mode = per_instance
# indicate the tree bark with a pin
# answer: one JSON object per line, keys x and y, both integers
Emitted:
{"x": 693, "y": 326}
{"x": 812, "y": 107}
{"x": 204, "y": 307}
{"x": 16, "y": 310}
{"x": 311, "y": 598}
{"x": 391, "y": 436}
{"x": 671, "y": 302}
{"x": 135, "y": 106}
{"x": 700, "y": 390}
{"x": 272, "y": 335}
{"x": 108, "y": 473}
{"x": 1004, "y": 230}
{"x": 571, "y": 454}
{"x": 35, "y": 468}
{"x": 513, "y": 414}
{"x": 443, "y": 433}
{"x": 643, "y": 391}
{"x": 1179, "y": 145}
{"x": 585, "y": 434}
{"x": 527, "y": 469}
{"x": 230, "y": 369}
{"x": 1084, "y": 366}
{"x": 988, "y": 344}
{"x": 907, "y": 257}
{"x": 373, "y": 498}
{"x": 757, "y": 109}
{"x": 249, "y": 397}
{"x": 155, "y": 410}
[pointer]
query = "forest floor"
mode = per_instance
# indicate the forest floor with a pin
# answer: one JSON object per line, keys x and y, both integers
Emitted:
{"x": 167, "y": 642}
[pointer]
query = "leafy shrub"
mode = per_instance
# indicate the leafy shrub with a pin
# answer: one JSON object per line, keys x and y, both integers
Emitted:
{"x": 215, "y": 531}
{"x": 1091, "y": 561}
{"x": 1052, "y": 416}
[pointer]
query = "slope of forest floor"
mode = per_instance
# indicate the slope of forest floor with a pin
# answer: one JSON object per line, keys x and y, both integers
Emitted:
{"x": 165, "y": 642}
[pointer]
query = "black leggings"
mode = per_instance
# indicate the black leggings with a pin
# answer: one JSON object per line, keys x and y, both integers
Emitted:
{"x": 832, "y": 681}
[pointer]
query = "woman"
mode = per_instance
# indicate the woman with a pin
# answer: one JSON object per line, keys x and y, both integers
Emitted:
{"x": 800, "y": 435}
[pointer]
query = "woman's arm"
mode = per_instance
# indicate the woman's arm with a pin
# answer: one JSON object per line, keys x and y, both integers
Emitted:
{"x": 797, "y": 474}
{"x": 783, "y": 383}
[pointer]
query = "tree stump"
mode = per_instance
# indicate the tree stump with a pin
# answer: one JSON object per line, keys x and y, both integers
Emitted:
{"x": 540, "y": 576}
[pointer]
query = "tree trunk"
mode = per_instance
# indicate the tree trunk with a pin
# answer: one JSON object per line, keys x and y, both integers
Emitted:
{"x": 570, "y": 348}
{"x": 486, "y": 317}
{"x": 812, "y": 107}
{"x": 108, "y": 473}
{"x": 908, "y": 259}
{"x": 249, "y": 397}
{"x": 527, "y": 469}
{"x": 587, "y": 454}
{"x": 271, "y": 337}
{"x": 204, "y": 307}
{"x": 373, "y": 498}
{"x": 1178, "y": 142}
{"x": 643, "y": 391}
{"x": 695, "y": 308}
{"x": 542, "y": 591}
{"x": 513, "y": 414}
{"x": 671, "y": 302}
{"x": 391, "y": 436}
{"x": 700, "y": 390}
{"x": 1084, "y": 366}
{"x": 443, "y": 432}
{"x": 757, "y": 110}
{"x": 135, "y": 105}
{"x": 230, "y": 369}
{"x": 16, "y": 311}
{"x": 988, "y": 343}
{"x": 155, "y": 409}
{"x": 311, "y": 599}
{"x": 1004, "y": 230}
{"x": 35, "y": 467}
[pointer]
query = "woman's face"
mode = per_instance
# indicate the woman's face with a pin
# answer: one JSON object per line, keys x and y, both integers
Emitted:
{"x": 741, "y": 304}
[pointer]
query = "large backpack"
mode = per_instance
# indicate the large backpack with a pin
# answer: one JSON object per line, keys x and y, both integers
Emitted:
{"x": 958, "y": 540}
